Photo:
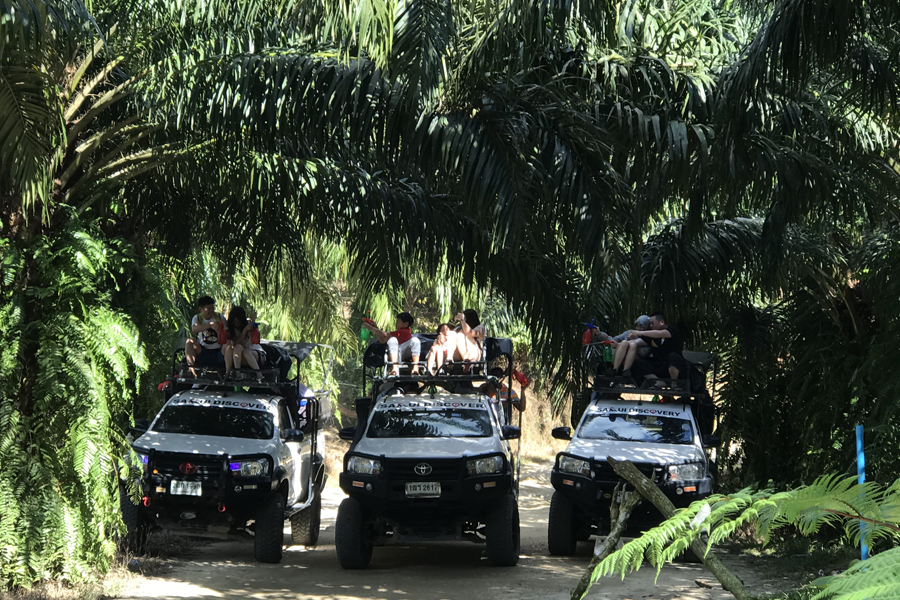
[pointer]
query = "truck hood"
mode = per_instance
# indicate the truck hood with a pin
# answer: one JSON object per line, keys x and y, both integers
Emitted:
{"x": 636, "y": 452}
{"x": 201, "y": 444}
{"x": 429, "y": 447}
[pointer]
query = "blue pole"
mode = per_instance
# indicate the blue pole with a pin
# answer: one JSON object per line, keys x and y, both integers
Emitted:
{"x": 861, "y": 478}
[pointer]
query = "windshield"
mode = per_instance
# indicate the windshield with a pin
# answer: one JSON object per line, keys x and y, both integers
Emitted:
{"x": 636, "y": 428}
{"x": 451, "y": 422}
{"x": 215, "y": 421}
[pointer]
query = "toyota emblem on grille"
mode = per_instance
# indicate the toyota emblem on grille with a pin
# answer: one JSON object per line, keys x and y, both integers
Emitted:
{"x": 188, "y": 468}
{"x": 422, "y": 469}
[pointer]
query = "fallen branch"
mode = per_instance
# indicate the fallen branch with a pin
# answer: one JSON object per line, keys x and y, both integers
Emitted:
{"x": 646, "y": 488}
{"x": 618, "y": 519}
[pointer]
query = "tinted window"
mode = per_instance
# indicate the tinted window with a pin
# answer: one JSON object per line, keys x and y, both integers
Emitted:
{"x": 636, "y": 428}
{"x": 430, "y": 423}
{"x": 210, "y": 420}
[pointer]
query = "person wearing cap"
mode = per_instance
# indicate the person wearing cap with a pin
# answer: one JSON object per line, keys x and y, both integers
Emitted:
{"x": 642, "y": 323}
{"x": 205, "y": 351}
{"x": 401, "y": 343}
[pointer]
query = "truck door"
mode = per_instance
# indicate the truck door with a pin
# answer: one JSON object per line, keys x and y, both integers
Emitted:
{"x": 293, "y": 453}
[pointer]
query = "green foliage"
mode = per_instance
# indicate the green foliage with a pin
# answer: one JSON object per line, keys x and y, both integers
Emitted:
{"x": 59, "y": 446}
{"x": 831, "y": 501}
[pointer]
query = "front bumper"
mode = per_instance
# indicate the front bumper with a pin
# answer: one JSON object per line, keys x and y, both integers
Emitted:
{"x": 593, "y": 493}
{"x": 462, "y": 496}
{"x": 223, "y": 495}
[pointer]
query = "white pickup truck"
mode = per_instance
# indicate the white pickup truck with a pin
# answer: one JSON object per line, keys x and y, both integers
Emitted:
{"x": 215, "y": 460}
{"x": 432, "y": 459}
{"x": 661, "y": 439}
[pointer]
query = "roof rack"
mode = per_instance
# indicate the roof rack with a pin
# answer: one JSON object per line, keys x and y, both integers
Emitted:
{"x": 493, "y": 348}
{"x": 281, "y": 356}
{"x": 678, "y": 388}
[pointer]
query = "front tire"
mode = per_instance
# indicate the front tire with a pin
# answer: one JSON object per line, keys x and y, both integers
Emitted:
{"x": 353, "y": 550}
{"x": 136, "y": 528}
{"x": 561, "y": 538}
{"x": 502, "y": 533}
{"x": 269, "y": 541}
{"x": 305, "y": 524}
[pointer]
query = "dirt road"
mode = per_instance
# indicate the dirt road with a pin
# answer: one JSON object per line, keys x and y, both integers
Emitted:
{"x": 457, "y": 571}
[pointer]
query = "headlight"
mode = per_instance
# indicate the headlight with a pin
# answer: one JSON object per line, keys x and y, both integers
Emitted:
{"x": 686, "y": 471}
{"x": 485, "y": 466}
{"x": 364, "y": 466}
{"x": 143, "y": 459}
{"x": 250, "y": 468}
{"x": 570, "y": 464}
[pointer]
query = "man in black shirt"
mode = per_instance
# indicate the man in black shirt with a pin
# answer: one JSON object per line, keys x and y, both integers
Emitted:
{"x": 666, "y": 344}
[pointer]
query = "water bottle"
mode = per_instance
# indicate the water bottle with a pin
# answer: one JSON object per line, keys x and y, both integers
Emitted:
{"x": 363, "y": 332}
{"x": 608, "y": 354}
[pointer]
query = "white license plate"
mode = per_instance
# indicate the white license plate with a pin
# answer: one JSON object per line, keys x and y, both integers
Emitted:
{"x": 427, "y": 489}
{"x": 185, "y": 488}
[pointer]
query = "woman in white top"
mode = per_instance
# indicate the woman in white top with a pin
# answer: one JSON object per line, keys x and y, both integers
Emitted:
{"x": 470, "y": 338}
{"x": 239, "y": 348}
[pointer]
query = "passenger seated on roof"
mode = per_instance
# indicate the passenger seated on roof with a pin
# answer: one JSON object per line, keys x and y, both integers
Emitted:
{"x": 205, "y": 350}
{"x": 239, "y": 346}
{"x": 666, "y": 345}
{"x": 621, "y": 343}
{"x": 443, "y": 349}
{"x": 469, "y": 345}
{"x": 402, "y": 345}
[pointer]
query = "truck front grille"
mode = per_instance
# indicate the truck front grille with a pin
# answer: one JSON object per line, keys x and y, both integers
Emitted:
{"x": 406, "y": 469}
{"x": 170, "y": 464}
{"x": 653, "y": 472}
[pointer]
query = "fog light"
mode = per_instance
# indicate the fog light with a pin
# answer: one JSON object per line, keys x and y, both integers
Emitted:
{"x": 578, "y": 486}
{"x": 679, "y": 491}
{"x": 369, "y": 487}
{"x": 477, "y": 487}
{"x": 237, "y": 489}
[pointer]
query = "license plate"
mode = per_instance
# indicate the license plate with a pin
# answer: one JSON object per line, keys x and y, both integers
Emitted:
{"x": 185, "y": 488}
{"x": 423, "y": 490}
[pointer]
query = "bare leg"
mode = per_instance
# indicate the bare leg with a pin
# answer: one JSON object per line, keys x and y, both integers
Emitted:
{"x": 415, "y": 364}
{"x": 250, "y": 357}
{"x": 395, "y": 366}
{"x": 228, "y": 353}
{"x": 439, "y": 359}
{"x": 238, "y": 352}
{"x": 621, "y": 351}
{"x": 191, "y": 351}
{"x": 630, "y": 356}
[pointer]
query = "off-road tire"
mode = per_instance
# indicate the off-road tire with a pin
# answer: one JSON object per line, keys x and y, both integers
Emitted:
{"x": 353, "y": 550}
{"x": 561, "y": 535}
{"x": 269, "y": 530}
{"x": 136, "y": 527}
{"x": 689, "y": 557}
{"x": 502, "y": 532}
{"x": 305, "y": 523}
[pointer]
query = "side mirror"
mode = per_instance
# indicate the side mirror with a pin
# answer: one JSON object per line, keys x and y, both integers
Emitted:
{"x": 347, "y": 433}
{"x": 711, "y": 441}
{"x": 292, "y": 435}
{"x": 140, "y": 426}
{"x": 562, "y": 433}
{"x": 509, "y": 432}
